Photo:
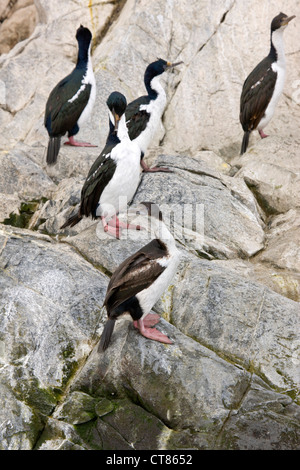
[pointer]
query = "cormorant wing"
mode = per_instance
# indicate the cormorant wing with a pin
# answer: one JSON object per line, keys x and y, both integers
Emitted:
{"x": 135, "y": 274}
{"x": 66, "y": 103}
{"x": 256, "y": 94}
{"x": 136, "y": 119}
{"x": 98, "y": 177}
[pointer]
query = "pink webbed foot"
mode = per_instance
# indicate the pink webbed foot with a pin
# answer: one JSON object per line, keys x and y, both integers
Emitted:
{"x": 151, "y": 333}
{"x": 155, "y": 169}
{"x": 112, "y": 230}
{"x": 75, "y": 143}
{"x": 262, "y": 134}
{"x": 150, "y": 320}
{"x": 115, "y": 222}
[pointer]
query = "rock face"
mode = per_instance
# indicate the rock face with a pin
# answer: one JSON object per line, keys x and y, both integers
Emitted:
{"x": 18, "y": 19}
{"x": 231, "y": 379}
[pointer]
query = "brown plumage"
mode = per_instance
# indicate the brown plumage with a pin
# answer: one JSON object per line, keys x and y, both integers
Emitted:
{"x": 132, "y": 276}
{"x": 136, "y": 273}
{"x": 256, "y": 94}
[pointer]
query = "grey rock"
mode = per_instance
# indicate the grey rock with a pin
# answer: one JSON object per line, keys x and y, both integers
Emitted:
{"x": 239, "y": 323}
{"x": 239, "y": 233}
{"x": 205, "y": 392}
{"x": 78, "y": 408}
{"x": 43, "y": 300}
{"x": 103, "y": 407}
{"x": 275, "y": 181}
{"x": 282, "y": 250}
{"x": 21, "y": 180}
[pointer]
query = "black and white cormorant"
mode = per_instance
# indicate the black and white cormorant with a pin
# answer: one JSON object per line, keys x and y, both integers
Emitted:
{"x": 264, "y": 85}
{"x": 71, "y": 101}
{"x": 143, "y": 115}
{"x": 114, "y": 176}
{"x": 138, "y": 282}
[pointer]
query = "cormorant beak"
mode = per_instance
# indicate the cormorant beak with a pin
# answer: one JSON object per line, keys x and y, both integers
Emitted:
{"x": 286, "y": 21}
{"x": 170, "y": 65}
{"x": 117, "y": 120}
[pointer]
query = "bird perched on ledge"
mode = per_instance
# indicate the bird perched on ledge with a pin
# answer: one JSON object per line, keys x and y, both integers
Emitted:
{"x": 114, "y": 176}
{"x": 71, "y": 101}
{"x": 143, "y": 115}
{"x": 141, "y": 279}
{"x": 264, "y": 85}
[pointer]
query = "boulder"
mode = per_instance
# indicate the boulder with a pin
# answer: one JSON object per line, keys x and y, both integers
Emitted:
{"x": 272, "y": 174}
{"x": 51, "y": 301}
{"x": 21, "y": 180}
{"x": 210, "y": 399}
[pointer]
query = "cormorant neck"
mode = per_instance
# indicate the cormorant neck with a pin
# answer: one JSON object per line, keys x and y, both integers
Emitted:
{"x": 148, "y": 79}
{"x": 277, "y": 46}
{"x": 84, "y": 54}
{"x": 122, "y": 132}
{"x": 155, "y": 89}
{"x": 112, "y": 137}
{"x": 162, "y": 233}
{"x": 273, "y": 53}
{"x": 122, "y": 129}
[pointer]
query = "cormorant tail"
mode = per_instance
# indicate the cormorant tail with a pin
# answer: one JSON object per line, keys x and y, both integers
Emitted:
{"x": 73, "y": 220}
{"x": 106, "y": 335}
{"x": 53, "y": 150}
{"x": 245, "y": 142}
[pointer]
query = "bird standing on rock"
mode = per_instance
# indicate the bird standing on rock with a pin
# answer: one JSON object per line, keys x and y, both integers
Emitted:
{"x": 264, "y": 85}
{"x": 71, "y": 101}
{"x": 138, "y": 282}
{"x": 143, "y": 115}
{"x": 114, "y": 176}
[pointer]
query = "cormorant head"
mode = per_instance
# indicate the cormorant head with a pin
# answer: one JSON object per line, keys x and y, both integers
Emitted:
{"x": 116, "y": 103}
{"x": 83, "y": 34}
{"x": 158, "y": 67}
{"x": 280, "y": 21}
